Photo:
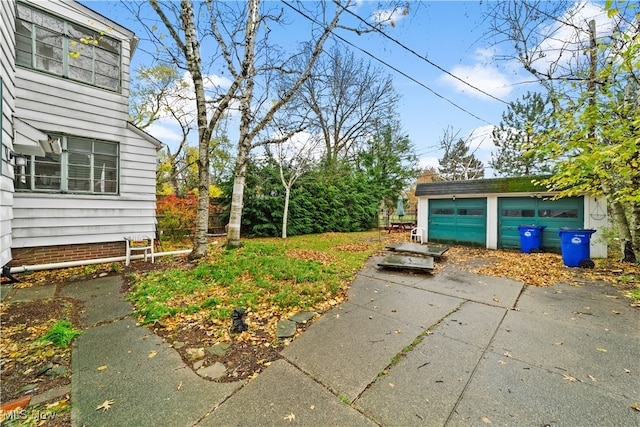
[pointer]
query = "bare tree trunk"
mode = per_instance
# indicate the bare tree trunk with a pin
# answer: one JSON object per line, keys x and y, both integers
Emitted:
{"x": 235, "y": 218}
{"x": 195, "y": 67}
{"x": 244, "y": 145}
{"x": 635, "y": 246}
{"x": 285, "y": 214}
{"x": 624, "y": 231}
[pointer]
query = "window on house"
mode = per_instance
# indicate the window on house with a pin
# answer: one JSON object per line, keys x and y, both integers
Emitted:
{"x": 48, "y": 43}
{"x": 84, "y": 166}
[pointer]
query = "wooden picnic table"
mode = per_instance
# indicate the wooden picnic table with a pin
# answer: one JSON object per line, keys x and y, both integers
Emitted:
{"x": 400, "y": 226}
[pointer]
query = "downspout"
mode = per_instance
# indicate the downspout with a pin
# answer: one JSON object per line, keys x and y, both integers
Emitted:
{"x": 67, "y": 264}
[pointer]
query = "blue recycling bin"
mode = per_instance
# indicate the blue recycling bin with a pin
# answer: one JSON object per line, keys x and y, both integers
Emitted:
{"x": 530, "y": 238}
{"x": 575, "y": 247}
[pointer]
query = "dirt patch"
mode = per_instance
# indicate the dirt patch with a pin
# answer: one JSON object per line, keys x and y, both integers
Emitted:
{"x": 31, "y": 366}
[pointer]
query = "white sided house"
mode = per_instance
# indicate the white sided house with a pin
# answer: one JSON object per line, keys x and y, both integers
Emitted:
{"x": 76, "y": 175}
{"x": 489, "y": 212}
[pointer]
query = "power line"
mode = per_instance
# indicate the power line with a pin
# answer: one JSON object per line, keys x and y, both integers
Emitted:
{"x": 389, "y": 65}
{"x": 408, "y": 49}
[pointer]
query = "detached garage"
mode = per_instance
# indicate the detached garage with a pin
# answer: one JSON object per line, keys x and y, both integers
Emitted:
{"x": 488, "y": 212}
{"x": 461, "y": 221}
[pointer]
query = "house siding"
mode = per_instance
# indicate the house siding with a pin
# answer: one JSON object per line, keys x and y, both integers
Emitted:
{"x": 56, "y": 227}
{"x": 7, "y": 73}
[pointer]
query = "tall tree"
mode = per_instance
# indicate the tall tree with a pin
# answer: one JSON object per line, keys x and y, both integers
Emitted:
{"x": 457, "y": 163}
{"x": 294, "y": 157}
{"x": 157, "y": 94}
{"x": 516, "y": 136}
{"x": 184, "y": 34}
{"x": 255, "y": 112}
{"x": 389, "y": 162}
{"x": 587, "y": 76}
{"x": 238, "y": 38}
{"x": 349, "y": 97}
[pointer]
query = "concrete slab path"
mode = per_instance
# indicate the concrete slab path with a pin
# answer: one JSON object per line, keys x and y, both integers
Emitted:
{"x": 445, "y": 349}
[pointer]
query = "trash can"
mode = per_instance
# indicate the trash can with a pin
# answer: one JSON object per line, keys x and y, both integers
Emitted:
{"x": 575, "y": 247}
{"x": 531, "y": 238}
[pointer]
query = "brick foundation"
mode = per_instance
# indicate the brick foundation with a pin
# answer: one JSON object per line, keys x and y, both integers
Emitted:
{"x": 66, "y": 253}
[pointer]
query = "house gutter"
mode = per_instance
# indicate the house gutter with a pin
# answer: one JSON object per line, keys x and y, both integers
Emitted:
{"x": 67, "y": 264}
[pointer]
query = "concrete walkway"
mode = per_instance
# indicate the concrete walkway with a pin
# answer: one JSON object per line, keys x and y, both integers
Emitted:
{"x": 448, "y": 349}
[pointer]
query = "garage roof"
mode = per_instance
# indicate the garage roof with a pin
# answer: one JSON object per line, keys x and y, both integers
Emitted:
{"x": 523, "y": 184}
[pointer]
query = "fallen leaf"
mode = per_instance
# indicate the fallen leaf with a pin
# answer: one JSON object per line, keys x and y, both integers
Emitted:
{"x": 559, "y": 343}
{"x": 496, "y": 299}
{"x": 312, "y": 407}
{"x": 290, "y": 417}
{"x": 398, "y": 331}
{"x": 486, "y": 420}
{"x": 507, "y": 354}
{"x": 392, "y": 385}
{"x": 626, "y": 371}
{"x": 569, "y": 378}
{"x": 180, "y": 386}
{"x": 635, "y": 406}
{"x": 615, "y": 312}
{"x": 106, "y": 405}
{"x": 592, "y": 378}
{"x": 152, "y": 353}
{"x": 602, "y": 350}
{"x": 502, "y": 362}
{"x": 102, "y": 368}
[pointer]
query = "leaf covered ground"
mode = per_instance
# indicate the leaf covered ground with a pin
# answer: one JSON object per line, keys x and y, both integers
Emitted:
{"x": 188, "y": 303}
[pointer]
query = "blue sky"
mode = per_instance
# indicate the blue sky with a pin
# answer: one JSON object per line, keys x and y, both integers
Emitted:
{"x": 451, "y": 35}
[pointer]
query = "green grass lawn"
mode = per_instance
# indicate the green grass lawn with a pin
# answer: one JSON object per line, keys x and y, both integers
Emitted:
{"x": 267, "y": 277}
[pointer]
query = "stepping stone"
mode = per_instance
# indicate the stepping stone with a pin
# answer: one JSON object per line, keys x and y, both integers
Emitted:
{"x": 303, "y": 316}
{"x": 213, "y": 372}
{"x": 219, "y": 349}
{"x": 418, "y": 249}
{"x": 55, "y": 393}
{"x": 56, "y": 371}
{"x": 404, "y": 262}
{"x": 195, "y": 353}
{"x": 286, "y": 329}
{"x": 33, "y": 293}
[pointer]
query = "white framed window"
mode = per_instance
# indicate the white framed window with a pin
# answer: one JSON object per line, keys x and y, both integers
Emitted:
{"x": 51, "y": 44}
{"x": 84, "y": 165}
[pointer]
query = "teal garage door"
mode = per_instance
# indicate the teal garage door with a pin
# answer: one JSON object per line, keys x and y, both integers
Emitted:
{"x": 461, "y": 221}
{"x": 553, "y": 214}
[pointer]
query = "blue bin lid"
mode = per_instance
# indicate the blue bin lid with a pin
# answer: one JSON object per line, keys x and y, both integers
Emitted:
{"x": 575, "y": 231}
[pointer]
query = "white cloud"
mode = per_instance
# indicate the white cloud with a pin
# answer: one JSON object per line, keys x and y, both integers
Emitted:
{"x": 481, "y": 144}
{"x": 563, "y": 37}
{"x": 482, "y": 74}
{"x": 426, "y": 162}
{"x": 213, "y": 81}
{"x": 480, "y": 138}
{"x": 389, "y": 16}
{"x": 164, "y": 133}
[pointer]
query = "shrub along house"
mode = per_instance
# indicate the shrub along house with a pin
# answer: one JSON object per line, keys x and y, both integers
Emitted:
{"x": 488, "y": 212}
{"x": 76, "y": 175}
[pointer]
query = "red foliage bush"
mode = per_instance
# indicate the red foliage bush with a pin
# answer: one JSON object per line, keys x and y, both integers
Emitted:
{"x": 176, "y": 215}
